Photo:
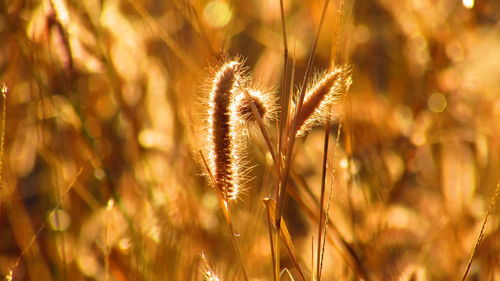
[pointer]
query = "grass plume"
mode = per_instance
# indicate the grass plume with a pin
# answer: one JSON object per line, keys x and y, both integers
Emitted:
{"x": 329, "y": 89}
{"x": 263, "y": 102}
{"x": 223, "y": 142}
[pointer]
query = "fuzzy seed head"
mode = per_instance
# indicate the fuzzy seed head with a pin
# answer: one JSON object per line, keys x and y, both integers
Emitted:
{"x": 223, "y": 143}
{"x": 262, "y": 101}
{"x": 329, "y": 89}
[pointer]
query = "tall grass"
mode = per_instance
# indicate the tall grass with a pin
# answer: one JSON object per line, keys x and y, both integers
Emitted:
{"x": 275, "y": 167}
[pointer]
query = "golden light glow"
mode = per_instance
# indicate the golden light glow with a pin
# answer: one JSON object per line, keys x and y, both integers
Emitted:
{"x": 110, "y": 204}
{"x": 469, "y": 4}
{"x": 437, "y": 102}
{"x": 217, "y": 13}
{"x": 60, "y": 220}
{"x": 124, "y": 244}
{"x": 152, "y": 103}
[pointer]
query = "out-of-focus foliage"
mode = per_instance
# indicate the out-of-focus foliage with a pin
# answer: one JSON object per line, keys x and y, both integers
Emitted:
{"x": 103, "y": 104}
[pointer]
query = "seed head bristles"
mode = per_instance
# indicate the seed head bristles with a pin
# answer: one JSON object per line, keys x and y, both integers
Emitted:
{"x": 208, "y": 273}
{"x": 263, "y": 102}
{"x": 223, "y": 133}
{"x": 244, "y": 101}
{"x": 413, "y": 273}
{"x": 329, "y": 88}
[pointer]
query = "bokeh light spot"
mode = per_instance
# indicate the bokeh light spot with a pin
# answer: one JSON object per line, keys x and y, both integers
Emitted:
{"x": 469, "y": 4}
{"x": 437, "y": 102}
{"x": 362, "y": 34}
{"x": 106, "y": 107}
{"x": 217, "y": 13}
{"x": 93, "y": 127}
{"x": 150, "y": 138}
{"x": 124, "y": 244}
{"x": 60, "y": 220}
{"x": 87, "y": 263}
{"x": 344, "y": 163}
{"x": 455, "y": 51}
{"x": 110, "y": 204}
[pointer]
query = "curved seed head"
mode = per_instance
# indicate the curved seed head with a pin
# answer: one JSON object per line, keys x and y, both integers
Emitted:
{"x": 329, "y": 89}
{"x": 223, "y": 144}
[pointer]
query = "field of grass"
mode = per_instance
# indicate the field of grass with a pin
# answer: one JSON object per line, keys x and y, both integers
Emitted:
{"x": 148, "y": 140}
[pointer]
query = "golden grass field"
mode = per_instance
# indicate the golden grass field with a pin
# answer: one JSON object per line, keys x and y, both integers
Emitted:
{"x": 146, "y": 140}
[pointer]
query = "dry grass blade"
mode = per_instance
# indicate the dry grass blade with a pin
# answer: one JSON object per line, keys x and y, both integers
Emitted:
{"x": 42, "y": 227}
{"x": 288, "y": 109}
{"x": 265, "y": 134}
{"x": 107, "y": 247}
{"x": 2, "y": 141}
{"x": 313, "y": 273}
{"x": 338, "y": 33}
{"x": 322, "y": 224}
{"x": 285, "y": 235}
{"x": 481, "y": 233}
{"x": 325, "y": 225}
{"x": 284, "y": 95}
{"x": 227, "y": 215}
{"x": 322, "y": 200}
{"x": 171, "y": 43}
{"x": 337, "y": 240}
{"x": 335, "y": 49}
{"x": 272, "y": 244}
{"x": 234, "y": 239}
{"x": 286, "y": 275}
{"x": 281, "y": 192}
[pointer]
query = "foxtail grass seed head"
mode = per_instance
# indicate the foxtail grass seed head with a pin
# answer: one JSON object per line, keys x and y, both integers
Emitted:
{"x": 223, "y": 142}
{"x": 263, "y": 103}
{"x": 328, "y": 89}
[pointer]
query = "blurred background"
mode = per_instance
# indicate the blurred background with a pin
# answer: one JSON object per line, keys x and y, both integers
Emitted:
{"x": 100, "y": 176}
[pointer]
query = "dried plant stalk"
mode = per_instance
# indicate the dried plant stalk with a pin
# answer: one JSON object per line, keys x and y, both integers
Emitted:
{"x": 481, "y": 233}
{"x": 3, "y": 91}
{"x": 254, "y": 107}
